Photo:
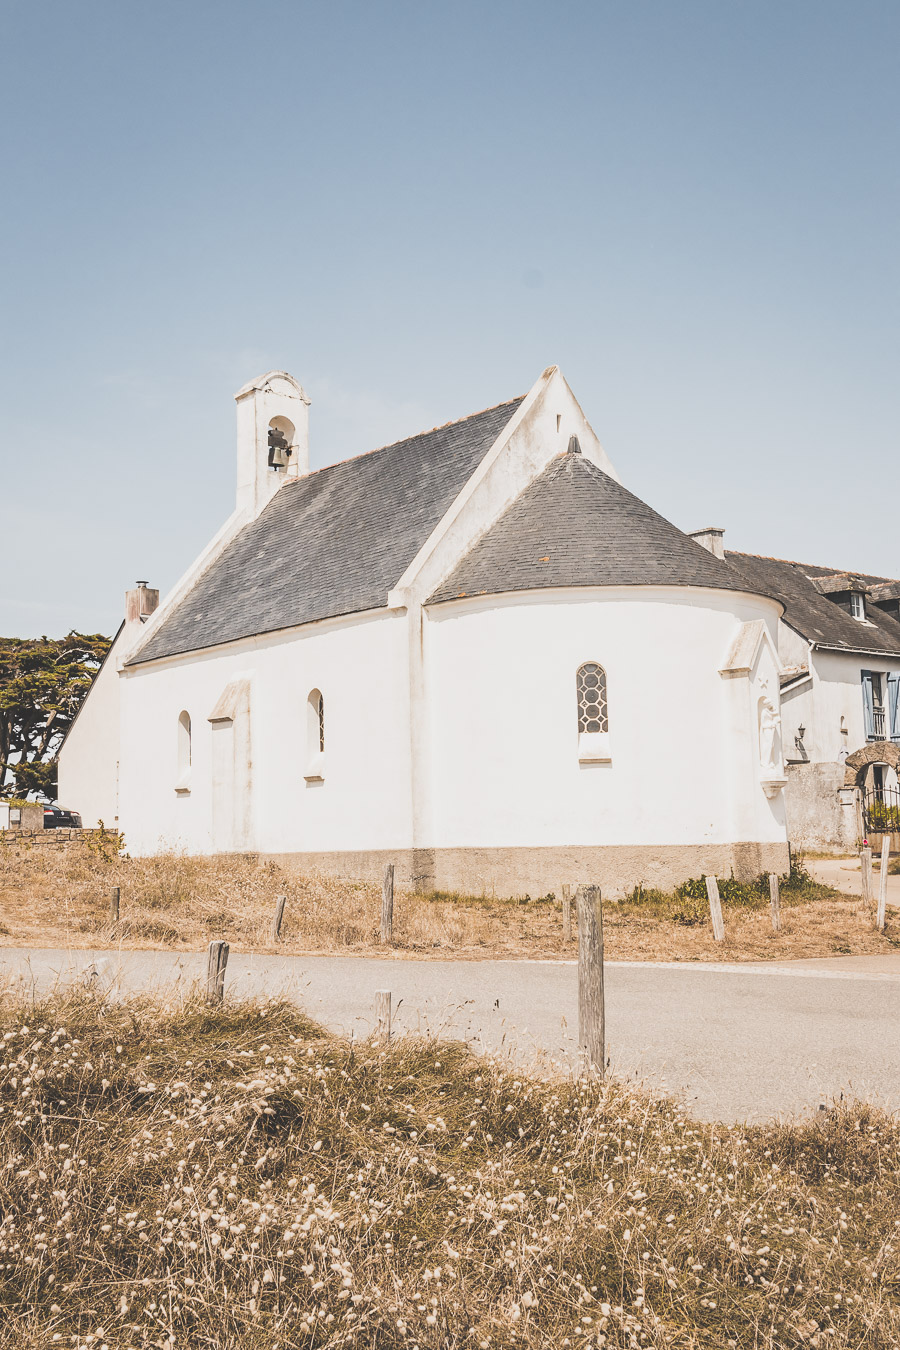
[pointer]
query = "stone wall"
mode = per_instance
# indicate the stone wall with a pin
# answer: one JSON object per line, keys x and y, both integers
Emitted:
{"x": 59, "y": 839}
{"x": 23, "y": 816}
{"x": 816, "y": 817}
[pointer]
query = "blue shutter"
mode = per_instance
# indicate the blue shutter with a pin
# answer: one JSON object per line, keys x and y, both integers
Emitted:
{"x": 893, "y": 684}
{"x": 868, "y": 703}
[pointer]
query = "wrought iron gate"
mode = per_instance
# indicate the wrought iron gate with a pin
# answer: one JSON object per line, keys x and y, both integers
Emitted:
{"x": 881, "y": 810}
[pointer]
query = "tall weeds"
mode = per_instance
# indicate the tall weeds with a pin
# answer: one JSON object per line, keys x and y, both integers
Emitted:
{"x": 236, "y": 1178}
{"x": 61, "y": 898}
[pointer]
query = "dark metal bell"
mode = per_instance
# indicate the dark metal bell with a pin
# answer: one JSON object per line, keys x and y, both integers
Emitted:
{"x": 279, "y": 450}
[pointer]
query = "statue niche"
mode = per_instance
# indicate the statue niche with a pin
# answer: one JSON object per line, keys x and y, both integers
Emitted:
{"x": 771, "y": 761}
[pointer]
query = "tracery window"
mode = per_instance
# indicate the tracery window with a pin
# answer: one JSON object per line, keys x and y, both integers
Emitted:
{"x": 592, "y": 709}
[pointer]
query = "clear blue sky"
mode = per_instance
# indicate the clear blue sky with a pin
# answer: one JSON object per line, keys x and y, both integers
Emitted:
{"x": 691, "y": 207}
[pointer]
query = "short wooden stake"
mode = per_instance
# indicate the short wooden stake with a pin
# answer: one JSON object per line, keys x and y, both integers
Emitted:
{"x": 591, "y": 994}
{"x": 567, "y": 913}
{"x": 217, "y": 960}
{"x": 279, "y": 916}
{"x": 775, "y": 899}
{"x": 882, "y": 881}
{"x": 387, "y": 904}
{"x": 715, "y": 909}
{"x": 865, "y": 867}
{"x": 114, "y": 905}
{"x": 383, "y": 1014}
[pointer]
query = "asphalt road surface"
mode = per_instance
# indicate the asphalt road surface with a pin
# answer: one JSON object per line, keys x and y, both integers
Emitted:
{"x": 735, "y": 1042}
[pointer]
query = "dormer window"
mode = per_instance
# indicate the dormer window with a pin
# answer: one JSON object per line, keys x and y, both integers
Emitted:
{"x": 846, "y": 589}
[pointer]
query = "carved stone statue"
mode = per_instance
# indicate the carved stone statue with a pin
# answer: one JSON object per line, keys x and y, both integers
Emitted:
{"x": 769, "y": 736}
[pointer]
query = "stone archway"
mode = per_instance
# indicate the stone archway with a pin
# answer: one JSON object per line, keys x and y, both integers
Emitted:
{"x": 876, "y": 752}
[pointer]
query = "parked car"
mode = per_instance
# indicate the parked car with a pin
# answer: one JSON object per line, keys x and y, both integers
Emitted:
{"x": 58, "y": 818}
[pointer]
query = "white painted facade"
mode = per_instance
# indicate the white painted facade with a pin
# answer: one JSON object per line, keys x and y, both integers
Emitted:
{"x": 829, "y": 704}
{"x": 451, "y": 726}
{"x": 684, "y": 765}
{"x": 498, "y": 732}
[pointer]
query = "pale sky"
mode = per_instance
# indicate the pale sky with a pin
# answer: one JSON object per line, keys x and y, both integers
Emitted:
{"x": 691, "y": 207}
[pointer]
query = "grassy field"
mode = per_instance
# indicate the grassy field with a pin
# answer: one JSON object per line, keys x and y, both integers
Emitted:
{"x": 59, "y": 898}
{"x": 236, "y": 1178}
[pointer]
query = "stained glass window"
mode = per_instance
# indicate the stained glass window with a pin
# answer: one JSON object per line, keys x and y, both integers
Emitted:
{"x": 591, "y": 685}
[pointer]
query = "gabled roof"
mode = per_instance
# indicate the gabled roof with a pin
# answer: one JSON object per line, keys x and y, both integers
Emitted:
{"x": 333, "y": 542}
{"x": 812, "y": 614}
{"x": 576, "y": 526}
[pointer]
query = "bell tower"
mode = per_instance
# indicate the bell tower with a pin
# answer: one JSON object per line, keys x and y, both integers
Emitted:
{"x": 272, "y": 437}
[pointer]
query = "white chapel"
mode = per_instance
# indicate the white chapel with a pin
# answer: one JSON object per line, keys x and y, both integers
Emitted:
{"x": 472, "y": 653}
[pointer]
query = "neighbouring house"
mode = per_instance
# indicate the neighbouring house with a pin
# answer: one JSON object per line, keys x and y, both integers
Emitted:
{"x": 839, "y": 644}
{"x": 473, "y": 653}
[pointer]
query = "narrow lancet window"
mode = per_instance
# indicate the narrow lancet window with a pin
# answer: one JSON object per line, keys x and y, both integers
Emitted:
{"x": 183, "y": 767}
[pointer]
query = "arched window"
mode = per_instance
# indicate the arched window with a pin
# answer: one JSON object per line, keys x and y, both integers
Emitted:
{"x": 315, "y": 737}
{"x": 593, "y": 715}
{"x": 183, "y": 777}
{"x": 318, "y": 704}
{"x": 592, "y": 710}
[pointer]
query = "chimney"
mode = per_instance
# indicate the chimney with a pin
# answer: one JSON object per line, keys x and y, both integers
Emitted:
{"x": 140, "y": 603}
{"x": 712, "y": 539}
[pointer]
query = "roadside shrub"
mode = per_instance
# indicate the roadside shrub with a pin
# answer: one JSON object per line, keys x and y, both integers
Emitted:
{"x": 882, "y": 818}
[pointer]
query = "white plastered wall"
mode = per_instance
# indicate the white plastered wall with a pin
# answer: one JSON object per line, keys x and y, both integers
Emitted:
{"x": 362, "y": 798}
{"x": 833, "y": 693}
{"x": 89, "y": 759}
{"x": 502, "y": 710}
{"x": 88, "y": 773}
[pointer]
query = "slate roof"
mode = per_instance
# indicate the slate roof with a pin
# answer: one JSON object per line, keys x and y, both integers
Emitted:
{"x": 576, "y": 526}
{"x": 812, "y": 614}
{"x": 333, "y": 542}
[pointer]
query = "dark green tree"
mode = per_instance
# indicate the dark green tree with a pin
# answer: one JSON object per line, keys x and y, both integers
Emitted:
{"x": 43, "y": 683}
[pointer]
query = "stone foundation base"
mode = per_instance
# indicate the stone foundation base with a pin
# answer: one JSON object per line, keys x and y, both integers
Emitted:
{"x": 617, "y": 868}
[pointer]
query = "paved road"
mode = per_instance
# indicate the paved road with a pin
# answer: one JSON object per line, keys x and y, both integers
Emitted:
{"x": 736, "y": 1041}
{"x": 844, "y": 875}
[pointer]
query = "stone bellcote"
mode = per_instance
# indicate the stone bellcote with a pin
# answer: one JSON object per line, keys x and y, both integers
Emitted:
{"x": 272, "y": 437}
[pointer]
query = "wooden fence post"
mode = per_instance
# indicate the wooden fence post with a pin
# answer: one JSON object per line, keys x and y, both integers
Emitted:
{"x": 279, "y": 916}
{"x": 865, "y": 867}
{"x": 567, "y": 913}
{"x": 591, "y": 994}
{"x": 883, "y": 880}
{"x": 217, "y": 960}
{"x": 114, "y": 905}
{"x": 383, "y": 1014}
{"x": 387, "y": 904}
{"x": 715, "y": 909}
{"x": 775, "y": 900}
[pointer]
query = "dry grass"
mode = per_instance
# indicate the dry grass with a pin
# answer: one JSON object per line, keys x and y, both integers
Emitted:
{"x": 53, "y": 897}
{"x": 235, "y": 1178}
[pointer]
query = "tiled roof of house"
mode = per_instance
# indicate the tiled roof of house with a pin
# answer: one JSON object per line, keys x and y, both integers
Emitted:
{"x": 811, "y": 613}
{"x": 576, "y": 526}
{"x": 333, "y": 542}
